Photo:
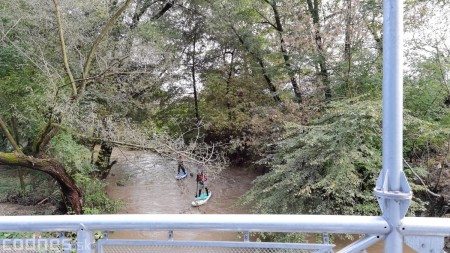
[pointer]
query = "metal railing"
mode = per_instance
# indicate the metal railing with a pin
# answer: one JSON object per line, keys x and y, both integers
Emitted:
{"x": 421, "y": 234}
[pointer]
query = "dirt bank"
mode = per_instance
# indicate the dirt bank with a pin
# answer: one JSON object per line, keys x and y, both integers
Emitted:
{"x": 8, "y": 209}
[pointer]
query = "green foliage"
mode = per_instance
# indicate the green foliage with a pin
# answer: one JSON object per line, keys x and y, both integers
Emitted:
{"x": 228, "y": 105}
{"x": 280, "y": 237}
{"x": 331, "y": 165}
{"x": 76, "y": 157}
{"x": 22, "y": 94}
{"x": 427, "y": 94}
{"x": 328, "y": 167}
{"x": 15, "y": 235}
{"x": 77, "y": 161}
{"x": 427, "y": 99}
{"x": 95, "y": 200}
{"x": 19, "y": 80}
{"x": 362, "y": 78}
{"x": 158, "y": 34}
{"x": 420, "y": 136}
{"x": 175, "y": 118}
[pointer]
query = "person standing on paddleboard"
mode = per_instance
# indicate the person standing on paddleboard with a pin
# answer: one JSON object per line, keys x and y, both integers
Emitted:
{"x": 202, "y": 181}
{"x": 181, "y": 165}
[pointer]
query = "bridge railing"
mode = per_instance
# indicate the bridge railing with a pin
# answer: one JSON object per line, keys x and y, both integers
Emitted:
{"x": 421, "y": 234}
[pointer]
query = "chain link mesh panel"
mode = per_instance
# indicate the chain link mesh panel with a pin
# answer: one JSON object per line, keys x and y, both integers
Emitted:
{"x": 114, "y": 246}
{"x": 198, "y": 249}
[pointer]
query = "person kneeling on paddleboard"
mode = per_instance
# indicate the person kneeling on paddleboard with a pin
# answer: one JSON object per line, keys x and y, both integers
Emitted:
{"x": 203, "y": 182}
{"x": 181, "y": 165}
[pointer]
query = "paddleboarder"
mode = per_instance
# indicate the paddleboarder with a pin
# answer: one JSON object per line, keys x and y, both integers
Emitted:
{"x": 202, "y": 180}
{"x": 181, "y": 165}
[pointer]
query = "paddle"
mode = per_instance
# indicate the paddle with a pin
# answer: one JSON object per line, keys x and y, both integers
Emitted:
{"x": 196, "y": 190}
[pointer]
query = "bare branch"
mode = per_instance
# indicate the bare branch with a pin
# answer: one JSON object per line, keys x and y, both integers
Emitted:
{"x": 267, "y": 21}
{"x": 63, "y": 46}
{"x": 103, "y": 33}
{"x": 5, "y": 34}
{"x": 420, "y": 179}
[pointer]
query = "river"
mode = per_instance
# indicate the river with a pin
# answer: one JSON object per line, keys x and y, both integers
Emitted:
{"x": 146, "y": 184}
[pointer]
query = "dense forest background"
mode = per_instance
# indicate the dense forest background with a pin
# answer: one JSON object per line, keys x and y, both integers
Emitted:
{"x": 290, "y": 87}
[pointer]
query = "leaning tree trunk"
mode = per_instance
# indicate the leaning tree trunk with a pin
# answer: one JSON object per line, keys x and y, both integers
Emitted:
{"x": 260, "y": 61}
{"x": 73, "y": 196}
{"x": 287, "y": 61}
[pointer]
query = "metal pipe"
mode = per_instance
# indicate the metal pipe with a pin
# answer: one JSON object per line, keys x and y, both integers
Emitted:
{"x": 425, "y": 226}
{"x": 220, "y": 222}
{"x": 393, "y": 114}
{"x": 362, "y": 244}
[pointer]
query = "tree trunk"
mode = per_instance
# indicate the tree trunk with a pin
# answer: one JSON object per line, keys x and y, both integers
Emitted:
{"x": 260, "y": 61}
{"x": 287, "y": 62}
{"x": 194, "y": 83}
{"x": 91, "y": 55}
{"x": 272, "y": 87}
{"x": 73, "y": 196}
{"x": 228, "y": 88}
{"x": 347, "y": 48}
{"x": 314, "y": 10}
{"x": 20, "y": 172}
{"x": 103, "y": 160}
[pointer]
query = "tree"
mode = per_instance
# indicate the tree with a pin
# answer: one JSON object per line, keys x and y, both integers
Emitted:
{"x": 313, "y": 7}
{"x": 330, "y": 166}
{"x": 18, "y": 98}
{"x": 310, "y": 164}
{"x": 93, "y": 89}
{"x": 250, "y": 42}
{"x": 278, "y": 26}
{"x": 49, "y": 120}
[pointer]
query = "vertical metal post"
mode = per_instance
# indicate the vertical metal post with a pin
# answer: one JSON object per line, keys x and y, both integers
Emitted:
{"x": 170, "y": 235}
{"x": 393, "y": 116}
{"x": 326, "y": 240}
{"x": 246, "y": 236}
{"x": 66, "y": 246}
{"x": 85, "y": 240}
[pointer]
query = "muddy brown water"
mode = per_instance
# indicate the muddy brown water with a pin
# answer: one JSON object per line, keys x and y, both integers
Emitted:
{"x": 146, "y": 184}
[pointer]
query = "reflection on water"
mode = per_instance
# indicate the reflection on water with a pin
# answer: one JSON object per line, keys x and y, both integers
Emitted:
{"x": 147, "y": 185}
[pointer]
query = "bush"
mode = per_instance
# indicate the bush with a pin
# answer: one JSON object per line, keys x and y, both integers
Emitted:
{"x": 331, "y": 165}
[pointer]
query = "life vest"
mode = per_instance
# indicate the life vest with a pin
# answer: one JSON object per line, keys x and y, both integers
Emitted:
{"x": 201, "y": 178}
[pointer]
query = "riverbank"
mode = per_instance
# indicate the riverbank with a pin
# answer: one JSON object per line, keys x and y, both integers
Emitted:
{"x": 40, "y": 196}
{"x": 8, "y": 209}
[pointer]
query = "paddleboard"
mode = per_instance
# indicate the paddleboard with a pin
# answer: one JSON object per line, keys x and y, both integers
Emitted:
{"x": 181, "y": 175}
{"x": 201, "y": 200}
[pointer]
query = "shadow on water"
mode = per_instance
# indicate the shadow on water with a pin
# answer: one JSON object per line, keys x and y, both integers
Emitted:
{"x": 146, "y": 184}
